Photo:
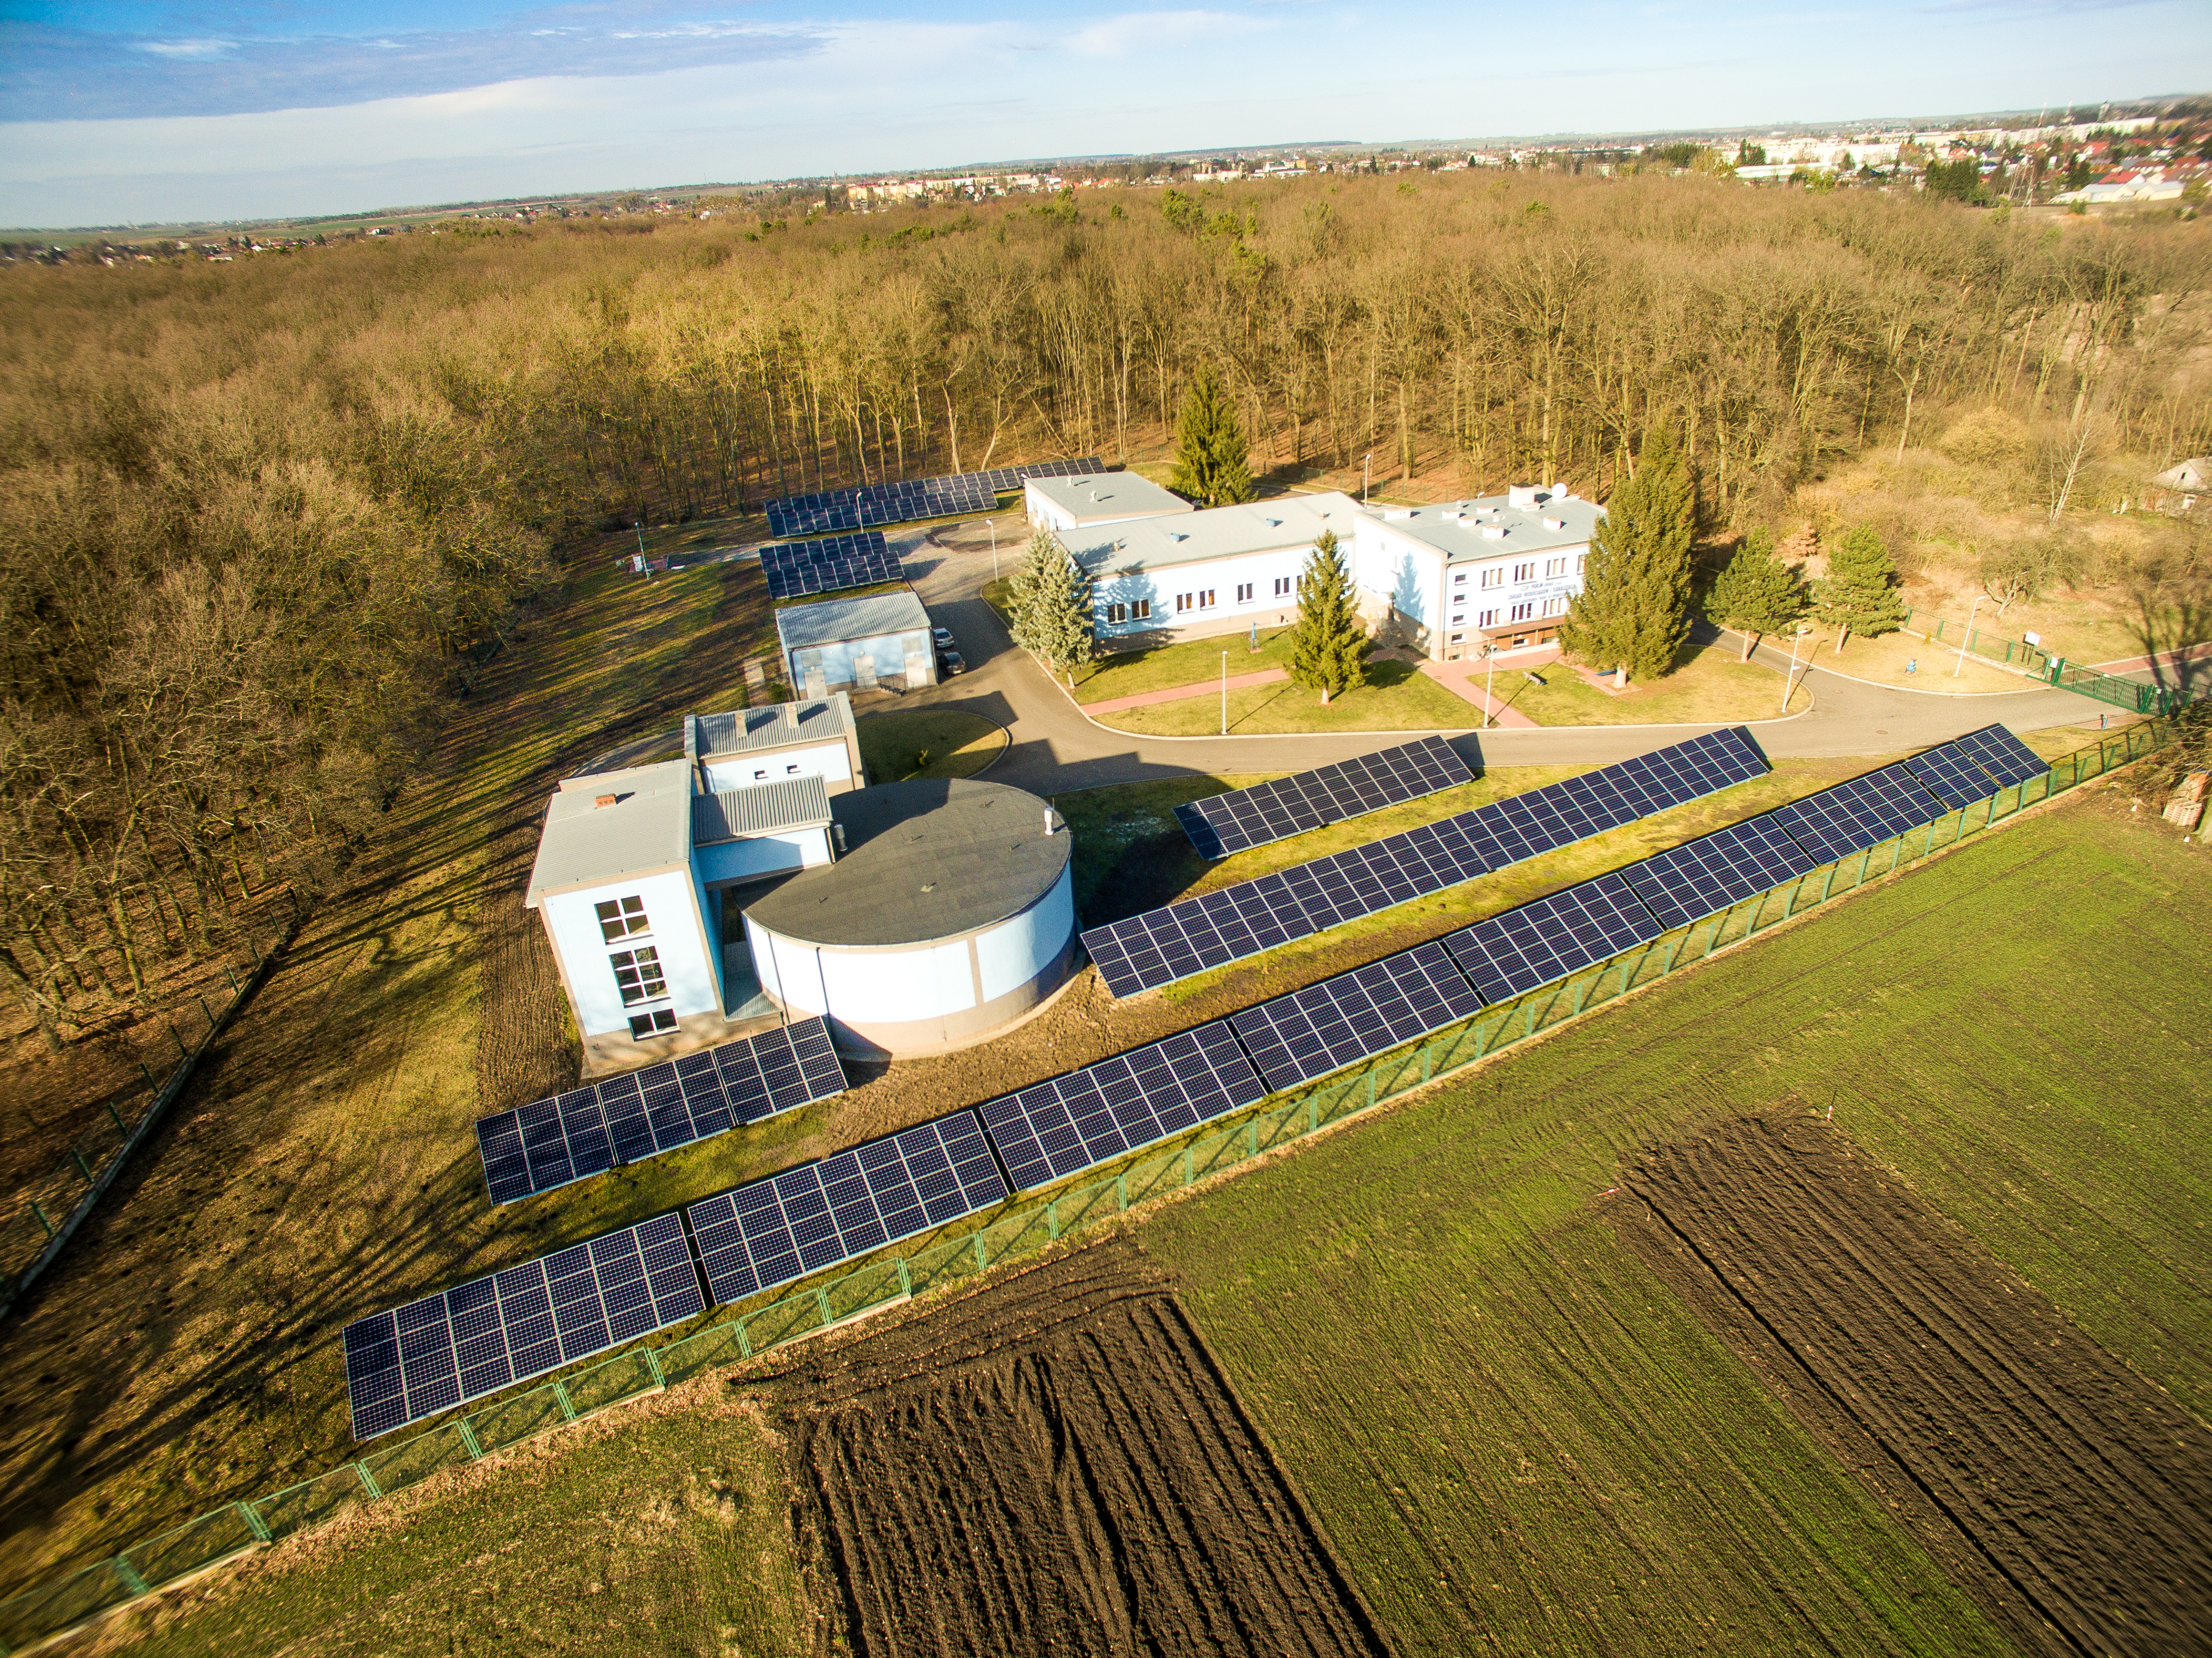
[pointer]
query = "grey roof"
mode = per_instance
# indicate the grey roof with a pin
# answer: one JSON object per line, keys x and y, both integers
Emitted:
{"x": 648, "y": 827}
{"x": 1289, "y": 521}
{"x": 923, "y": 860}
{"x": 1454, "y": 528}
{"x": 763, "y": 809}
{"x": 832, "y": 621}
{"x": 1103, "y": 497}
{"x": 748, "y": 730}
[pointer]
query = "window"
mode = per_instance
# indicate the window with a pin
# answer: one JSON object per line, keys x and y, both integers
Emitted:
{"x": 645, "y": 1025}
{"x": 760, "y": 773}
{"x": 791, "y": 771}
{"x": 1282, "y": 587}
{"x": 1455, "y": 638}
{"x": 1555, "y": 607}
{"x": 638, "y": 972}
{"x": 1141, "y": 610}
{"x": 1487, "y": 619}
{"x": 1494, "y": 576}
{"x": 1459, "y": 580}
{"x": 1458, "y": 616}
{"x": 1555, "y": 567}
{"x": 621, "y": 917}
{"x": 1523, "y": 612}
{"x": 1205, "y": 598}
{"x": 1581, "y": 559}
{"x": 1525, "y": 572}
{"x": 1183, "y": 602}
{"x": 1244, "y": 592}
{"x": 1117, "y": 615}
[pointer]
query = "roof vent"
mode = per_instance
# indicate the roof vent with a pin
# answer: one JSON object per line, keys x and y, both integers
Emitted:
{"x": 1493, "y": 532}
{"x": 1453, "y": 515}
{"x": 1555, "y": 524}
{"x": 1521, "y": 496}
{"x": 604, "y": 800}
{"x": 1397, "y": 512}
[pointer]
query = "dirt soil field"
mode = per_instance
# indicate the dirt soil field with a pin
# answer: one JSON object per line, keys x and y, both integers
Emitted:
{"x": 2072, "y": 1496}
{"x": 1055, "y": 1464}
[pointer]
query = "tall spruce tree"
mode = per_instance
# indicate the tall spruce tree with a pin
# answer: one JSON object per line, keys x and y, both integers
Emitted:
{"x": 1329, "y": 641}
{"x": 1053, "y": 619}
{"x": 1757, "y": 594}
{"x": 1212, "y": 457}
{"x": 1633, "y": 611}
{"x": 1859, "y": 593}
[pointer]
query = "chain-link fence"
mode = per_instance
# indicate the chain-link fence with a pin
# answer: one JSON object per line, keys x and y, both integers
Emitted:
{"x": 889, "y": 1279}
{"x": 2131, "y": 695}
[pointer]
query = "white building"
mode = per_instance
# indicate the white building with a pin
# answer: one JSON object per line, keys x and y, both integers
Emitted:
{"x": 858, "y": 642}
{"x": 1084, "y": 503}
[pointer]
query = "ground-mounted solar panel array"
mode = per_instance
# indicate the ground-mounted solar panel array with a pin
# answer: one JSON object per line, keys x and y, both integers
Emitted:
{"x": 1235, "y": 821}
{"x": 797, "y": 568}
{"x": 446, "y": 1349}
{"x": 638, "y": 1114}
{"x": 877, "y": 504}
{"x": 1194, "y": 934}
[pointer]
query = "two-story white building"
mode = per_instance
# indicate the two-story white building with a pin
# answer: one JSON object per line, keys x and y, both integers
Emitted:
{"x": 1084, "y": 503}
{"x": 1497, "y": 570}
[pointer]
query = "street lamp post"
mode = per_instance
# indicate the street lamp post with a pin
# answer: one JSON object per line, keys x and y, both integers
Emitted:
{"x": 1224, "y": 693}
{"x": 1968, "y": 635}
{"x": 1796, "y": 633}
{"x": 994, "y": 523}
{"x": 1366, "y": 474}
{"x": 1489, "y": 681}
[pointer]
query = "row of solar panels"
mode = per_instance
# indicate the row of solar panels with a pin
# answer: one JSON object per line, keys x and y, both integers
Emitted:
{"x": 911, "y": 498}
{"x": 466, "y": 1343}
{"x": 1244, "y": 818}
{"x": 1194, "y": 934}
{"x": 797, "y": 568}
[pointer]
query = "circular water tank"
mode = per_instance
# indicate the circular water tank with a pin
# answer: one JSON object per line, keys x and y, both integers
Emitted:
{"x": 949, "y": 914}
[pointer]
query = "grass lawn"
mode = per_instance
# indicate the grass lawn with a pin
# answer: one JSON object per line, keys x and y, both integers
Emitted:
{"x": 659, "y": 1528}
{"x": 1713, "y": 685}
{"x": 1194, "y": 662}
{"x": 1397, "y": 696}
{"x": 1885, "y": 659}
{"x": 1517, "y": 1437}
{"x": 956, "y": 743}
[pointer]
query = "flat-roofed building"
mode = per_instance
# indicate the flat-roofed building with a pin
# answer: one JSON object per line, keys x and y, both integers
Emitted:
{"x": 1082, "y": 503}
{"x": 858, "y": 643}
{"x": 1498, "y": 569}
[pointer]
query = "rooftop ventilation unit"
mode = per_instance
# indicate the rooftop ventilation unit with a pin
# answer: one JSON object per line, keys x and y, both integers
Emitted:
{"x": 1521, "y": 496}
{"x": 1555, "y": 524}
{"x": 1493, "y": 532}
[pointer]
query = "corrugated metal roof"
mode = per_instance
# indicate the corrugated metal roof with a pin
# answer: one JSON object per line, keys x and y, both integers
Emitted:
{"x": 763, "y": 809}
{"x": 641, "y": 828}
{"x": 833, "y": 620}
{"x": 749, "y": 730}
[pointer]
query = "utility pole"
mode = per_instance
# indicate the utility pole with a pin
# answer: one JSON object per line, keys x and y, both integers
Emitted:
{"x": 1366, "y": 474}
{"x": 994, "y": 523}
{"x": 1224, "y": 693}
{"x": 1968, "y": 635}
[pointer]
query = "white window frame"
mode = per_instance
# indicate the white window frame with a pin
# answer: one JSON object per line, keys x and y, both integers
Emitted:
{"x": 1494, "y": 576}
{"x": 628, "y": 919}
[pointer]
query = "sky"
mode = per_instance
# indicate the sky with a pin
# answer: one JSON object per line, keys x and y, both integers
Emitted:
{"x": 177, "y": 110}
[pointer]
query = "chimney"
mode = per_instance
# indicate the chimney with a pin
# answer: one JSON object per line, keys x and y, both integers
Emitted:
{"x": 604, "y": 800}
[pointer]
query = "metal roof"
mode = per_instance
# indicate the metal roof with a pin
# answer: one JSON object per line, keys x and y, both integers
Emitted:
{"x": 923, "y": 860}
{"x": 763, "y": 809}
{"x": 646, "y": 827}
{"x": 833, "y": 620}
{"x": 748, "y": 730}
{"x": 1103, "y": 497}
{"x": 1458, "y": 529}
{"x": 1260, "y": 526}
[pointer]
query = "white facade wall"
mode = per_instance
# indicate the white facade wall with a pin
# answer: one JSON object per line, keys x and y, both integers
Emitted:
{"x": 829, "y": 761}
{"x": 1451, "y": 599}
{"x": 739, "y": 860}
{"x": 1159, "y": 590}
{"x": 676, "y": 934}
{"x": 1011, "y": 954}
{"x": 895, "y": 987}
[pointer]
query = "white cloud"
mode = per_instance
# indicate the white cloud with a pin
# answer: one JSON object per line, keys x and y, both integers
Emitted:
{"x": 192, "y": 52}
{"x": 1146, "y": 31}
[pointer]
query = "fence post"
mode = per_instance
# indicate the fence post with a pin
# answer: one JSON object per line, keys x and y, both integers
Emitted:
{"x": 822, "y": 1295}
{"x": 1252, "y": 1124}
{"x": 82, "y": 1166}
{"x": 39, "y": 1216}
{"x": 1121, "y": 1183}
{"x": 469, "y": 1438}
{"x": 982, "y": 1264}
{"x": 1051, "y": 1225}
{"x": 744, "y": 1337}
{"x": 210, "y": 1017}
{"x": 254, "y": 1522}
{"x": 129, "y": 1574}
{"x": 1896, "y": 852}
{"x": 1428, "y": 1060}
{"x": 1371, "y": 1093}
{"x": 1583, "y": 993}
{"x": 560, "y": 1397}
{"x": 1827, "y": 881}
{"x": 369, "y": 1480}
{"x": 152, "y": 1087}
{"x": 1189, "y": 1167}
{"x": 906, "y": 1279}
{"x": 183, "y": 1053}
{"x": 1720, "y": 926}
{"x": 116, "y": 1118}
{"x": 652, "y": 1363}
{"x": 1312, "y": 1114}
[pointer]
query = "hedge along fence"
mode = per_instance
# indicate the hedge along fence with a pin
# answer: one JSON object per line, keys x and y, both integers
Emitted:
{"x": 889, "y": 1279}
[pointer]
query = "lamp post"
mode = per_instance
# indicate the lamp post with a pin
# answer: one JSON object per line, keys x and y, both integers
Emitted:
{"x": 1366, "y": 474}
{"x": 1968, "y": 635}
{"x": 1489, "y": 681}
{"x": 1224, "y": 693}
{"x": 1797, "y": 633}
{"x": 994, "y": 523}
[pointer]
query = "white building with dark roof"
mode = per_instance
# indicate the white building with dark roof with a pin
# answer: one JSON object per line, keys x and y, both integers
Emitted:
{"x": 858, "y": 643}
{"x": 1497, "y": 569}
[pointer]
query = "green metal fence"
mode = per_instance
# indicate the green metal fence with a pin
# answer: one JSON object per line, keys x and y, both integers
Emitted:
{"x": 889, "y": 1278}
{"x": 2131, "y": 695}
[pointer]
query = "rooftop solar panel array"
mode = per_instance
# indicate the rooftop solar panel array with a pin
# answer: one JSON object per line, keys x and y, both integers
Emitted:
{"x": 587, "y": 1131}
{"x": 463, "y": 1343}
{"x": 1062, "y": 1126}
{"x": 909, "y": 499}
{"x": 1854, "y": 816}
{"x": 796, "y": 569}
{"x": 1226, "y": 823}
{"x": 1194, "y": 934}
{"x": 774, "y": 1230}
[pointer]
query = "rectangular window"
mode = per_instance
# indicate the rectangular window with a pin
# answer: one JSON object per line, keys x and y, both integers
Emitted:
{"x": 1183, "y": 603}
{"x": 1494, "y": 576}
{"x": 1244, "y": 592}
{"x": 1205, "y": 598}
{"x": 621, "y": 917}
{"x": 1525, "y": 572}
{"x": 1459, "y": 580}
{"x": 760, "y": 773}
{"x": 1555, "y": 567}
{"x": 644, "y": 1025}
{"x": 791, "y": 771}
{"x": 1487, "y": 619}
{"x": 1523, "y": 612}
{"x": 1580, "y": 561}
{"x": 638, "y": 972}
{"x": 1458, "y": 616}
{"x": 1141, "y": 610}
{"x": 1117, "y": 615}
{"x": 1282, "y": 587}
{"x": 1455, "y": 638}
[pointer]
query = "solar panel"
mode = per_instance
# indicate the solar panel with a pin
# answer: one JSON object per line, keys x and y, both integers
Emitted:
{"x": 1552, "y": 938}
{"x": 769, "y": 1232}
{"x": 2001, "y": 755}
{"x": 1710, "y": 873}
{"x": 1946, "y": 772}
{"x": 1226, "y": 823}
{"x": 909, "y": 499}
{"x": 795, "y": 569}
{"x": 1861, "y": 813}
{"x": 1354, "y": 1016}
{"x": 1063, "y": 1127}
{"x": 1195, "y": 934}
{"x": 461, "y": 1343}
{"x": 550, "y": 1142}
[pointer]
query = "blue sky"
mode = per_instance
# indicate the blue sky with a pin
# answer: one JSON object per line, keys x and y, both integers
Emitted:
{"x": 171, "y": 109}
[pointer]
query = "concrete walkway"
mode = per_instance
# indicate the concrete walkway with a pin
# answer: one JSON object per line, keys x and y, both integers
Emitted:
{"x": 1462, "y": 680}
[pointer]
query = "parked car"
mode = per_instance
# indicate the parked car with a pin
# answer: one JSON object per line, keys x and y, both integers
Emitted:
{"x": 945, "y": 639}
{"x": 950, "y": 662}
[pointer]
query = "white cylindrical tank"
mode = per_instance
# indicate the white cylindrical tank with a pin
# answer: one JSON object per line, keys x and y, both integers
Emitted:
{"x": 950, "y": 914}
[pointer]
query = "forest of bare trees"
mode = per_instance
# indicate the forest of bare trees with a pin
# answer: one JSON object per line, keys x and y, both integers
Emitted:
{"x": 256, "y": 515}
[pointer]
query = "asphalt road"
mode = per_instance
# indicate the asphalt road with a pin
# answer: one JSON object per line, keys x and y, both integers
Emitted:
{"x": 1056, "y": 749}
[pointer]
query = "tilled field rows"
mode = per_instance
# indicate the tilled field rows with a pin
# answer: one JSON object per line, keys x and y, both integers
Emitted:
{"x": 2078, "y": 1498}
{"x": 1054, "y": 1465}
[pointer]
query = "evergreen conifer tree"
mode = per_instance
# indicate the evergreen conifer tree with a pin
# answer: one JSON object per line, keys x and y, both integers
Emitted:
{"x": 1053, "y": 619}
{"x": 1211, "y": 453}
{"x": 1859, "y": 592}
{"x": 1633, "y": 611}
{"x": 1329, "y": 641}
{"x": 1757, "y": 594}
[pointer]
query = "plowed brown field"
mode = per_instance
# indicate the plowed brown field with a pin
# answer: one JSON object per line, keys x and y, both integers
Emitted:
{"x": 2070, "y": 1495}
{"x": 1056, "y": 1464}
